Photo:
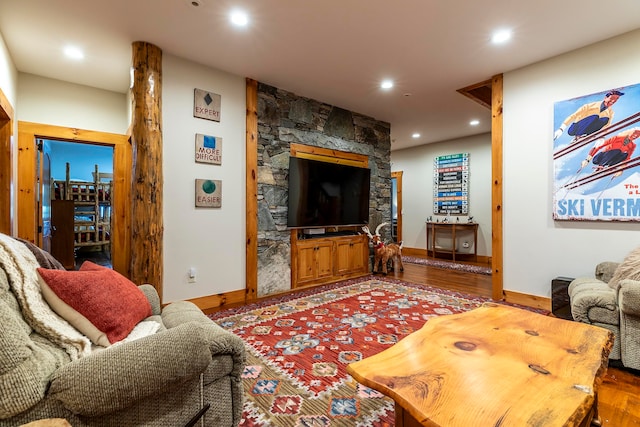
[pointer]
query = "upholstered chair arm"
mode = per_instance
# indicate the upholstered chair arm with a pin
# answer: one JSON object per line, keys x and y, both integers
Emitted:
{"x": 152, "y": 295}
{"x": 115, "y": 378}
{"x": 629, "y": 297}
{"x": 605, "y": 270}
{"x": 592, "y": 301}
{"x": 221, "y": 341}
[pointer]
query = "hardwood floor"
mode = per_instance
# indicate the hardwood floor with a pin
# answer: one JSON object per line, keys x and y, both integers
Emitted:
{"x": 619, "y": 394}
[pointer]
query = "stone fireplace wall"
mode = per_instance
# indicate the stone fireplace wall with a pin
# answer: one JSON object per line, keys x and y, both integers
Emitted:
{"x": 285, "y": 118}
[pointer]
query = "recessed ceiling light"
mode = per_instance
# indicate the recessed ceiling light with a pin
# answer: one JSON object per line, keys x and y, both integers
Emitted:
{"x": 239, "y": 18}
{"x": 73, "y": 52}
{"x": 386, "y": 84}
{"x": 474, "y": 122}
{"x": 415, "y": 135}
{"x": 501, "y": 36}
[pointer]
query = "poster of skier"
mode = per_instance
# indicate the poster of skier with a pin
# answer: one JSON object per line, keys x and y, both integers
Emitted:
{"x": 596, "y": 165}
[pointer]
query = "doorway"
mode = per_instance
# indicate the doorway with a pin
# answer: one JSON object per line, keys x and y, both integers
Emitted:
{"x": 28, "y": 205}
{"x": 77, "y": 193}
{"x": 396, "y": 206}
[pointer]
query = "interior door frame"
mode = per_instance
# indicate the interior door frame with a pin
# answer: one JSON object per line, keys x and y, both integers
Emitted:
{"x": 27, "y": 207}
{"x": 6, "y": 164}
{"x": 44, "y": 196}
{"x": 398, "y": 177}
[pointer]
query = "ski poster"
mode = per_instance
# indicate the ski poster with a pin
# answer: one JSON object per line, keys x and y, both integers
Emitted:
{"x": 451, "y": 184}
{"x": 596, "y": 163}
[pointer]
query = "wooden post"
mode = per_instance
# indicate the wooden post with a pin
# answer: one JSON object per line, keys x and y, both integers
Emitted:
{"x": 146, "y": 179}
{"x": 252, "y": 190}
{"x": 496, "y": 189}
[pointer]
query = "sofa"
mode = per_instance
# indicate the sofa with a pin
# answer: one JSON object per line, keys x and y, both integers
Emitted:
{"x": 611, "y": 299}
{"x": 166, "y": 374}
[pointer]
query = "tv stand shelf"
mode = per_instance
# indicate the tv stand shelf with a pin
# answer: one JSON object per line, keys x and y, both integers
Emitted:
{"x": 326, "y": 258}
{"x": 327, "y": 234}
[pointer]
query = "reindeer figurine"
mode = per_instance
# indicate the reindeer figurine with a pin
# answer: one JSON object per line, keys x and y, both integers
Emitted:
{"x": 383, "y": 253}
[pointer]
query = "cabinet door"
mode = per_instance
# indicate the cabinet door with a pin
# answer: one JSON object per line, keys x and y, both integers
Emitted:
{"x": 360, "y": 255}
{"x": 351, "y": 255}
{"x": 324, "y": 259}
{"x": 344, "y": 262}
{"x": 306, "y": 262}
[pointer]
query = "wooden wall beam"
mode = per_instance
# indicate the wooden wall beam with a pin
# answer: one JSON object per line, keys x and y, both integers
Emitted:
{"x": 328, "y": 155}
{"x": 496, "y": 189}
{"x": 252, "y": 190}
{"x": 147, "y": 227}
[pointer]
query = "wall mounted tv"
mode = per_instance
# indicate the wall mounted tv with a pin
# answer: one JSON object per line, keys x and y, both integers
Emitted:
{"x": 324, "y": 194}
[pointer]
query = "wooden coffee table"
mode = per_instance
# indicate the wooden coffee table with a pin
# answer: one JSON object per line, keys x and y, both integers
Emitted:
{"x": 493, "y": 366}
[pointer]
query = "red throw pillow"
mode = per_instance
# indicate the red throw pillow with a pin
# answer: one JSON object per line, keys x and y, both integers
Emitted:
{"x": 91, "y": 266}
{"x": 111, "y": 302}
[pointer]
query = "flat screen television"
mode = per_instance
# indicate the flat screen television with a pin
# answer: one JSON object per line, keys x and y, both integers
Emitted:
{"x": 323, "y": 194}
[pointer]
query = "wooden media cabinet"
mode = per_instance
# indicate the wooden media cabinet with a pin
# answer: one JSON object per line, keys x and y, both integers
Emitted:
{"x": 327, "y": 258}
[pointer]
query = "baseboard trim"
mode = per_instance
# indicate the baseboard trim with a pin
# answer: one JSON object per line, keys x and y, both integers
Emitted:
{"x": 535, "y": 301}
{"x": 414, "y": 252}
{"x": 211, "y": 302}
{"x": 422, "y": 253}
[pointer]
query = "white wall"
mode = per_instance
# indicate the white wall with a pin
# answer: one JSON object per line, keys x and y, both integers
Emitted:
{"x": 8, "y": 84}
{"x": 416, "y": 163}
{"x": 8, "y": 74}
{"x": 54, "y": 102}
{"x": 210, "y": 240}
{"x": 536, "y": 248}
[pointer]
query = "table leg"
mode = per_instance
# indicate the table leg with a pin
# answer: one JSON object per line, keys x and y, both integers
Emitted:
{"x": 404, "y": 418}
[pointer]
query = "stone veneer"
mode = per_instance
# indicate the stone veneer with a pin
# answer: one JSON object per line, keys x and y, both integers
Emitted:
{"x": 285, "y": 118}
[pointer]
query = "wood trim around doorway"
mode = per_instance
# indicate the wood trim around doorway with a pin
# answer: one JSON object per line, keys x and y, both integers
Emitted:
{"x": 28, "y": 191}
{"x": 6, "y": 160}
{"x": 496, "y": 188}
{"x": 398, "y": 176}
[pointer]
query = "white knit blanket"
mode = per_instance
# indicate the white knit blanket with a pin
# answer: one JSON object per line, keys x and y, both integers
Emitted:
{"x": 20, "y": 265}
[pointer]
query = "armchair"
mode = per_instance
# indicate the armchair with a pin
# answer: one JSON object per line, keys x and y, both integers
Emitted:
{"x": 162, "y": 379}
{"x": 612, "y": 300}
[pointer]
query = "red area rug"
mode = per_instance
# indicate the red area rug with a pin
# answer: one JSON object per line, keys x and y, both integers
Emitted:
{"x": 298, "y": 347}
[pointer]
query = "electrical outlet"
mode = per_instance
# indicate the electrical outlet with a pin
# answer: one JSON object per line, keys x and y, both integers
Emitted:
{"x": 465, "y": 245}
{"x": 192, "y": 275}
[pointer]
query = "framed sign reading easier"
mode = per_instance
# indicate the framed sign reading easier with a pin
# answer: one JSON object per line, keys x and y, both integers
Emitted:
{"x": 208, "y": 193}
{"x": 451, "y": 184}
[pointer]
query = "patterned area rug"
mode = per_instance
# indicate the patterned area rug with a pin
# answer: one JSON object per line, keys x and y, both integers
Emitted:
{"x": 447, "y": 264}
{"x": 298, "y": 347}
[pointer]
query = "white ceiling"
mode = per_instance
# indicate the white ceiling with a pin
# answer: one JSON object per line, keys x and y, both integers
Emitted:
{"x": 334, "y": 51}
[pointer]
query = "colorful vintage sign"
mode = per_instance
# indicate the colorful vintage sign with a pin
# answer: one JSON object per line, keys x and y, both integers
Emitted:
{"x": 595, "y": 164}
{"x": 451, "y": 184}
{"x": 208, "y": 149}
{"x": 206, "y": 105}
{"x": 208, "y": 193}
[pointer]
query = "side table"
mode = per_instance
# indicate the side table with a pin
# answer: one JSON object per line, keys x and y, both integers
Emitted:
{"x": 560, "y": 302}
